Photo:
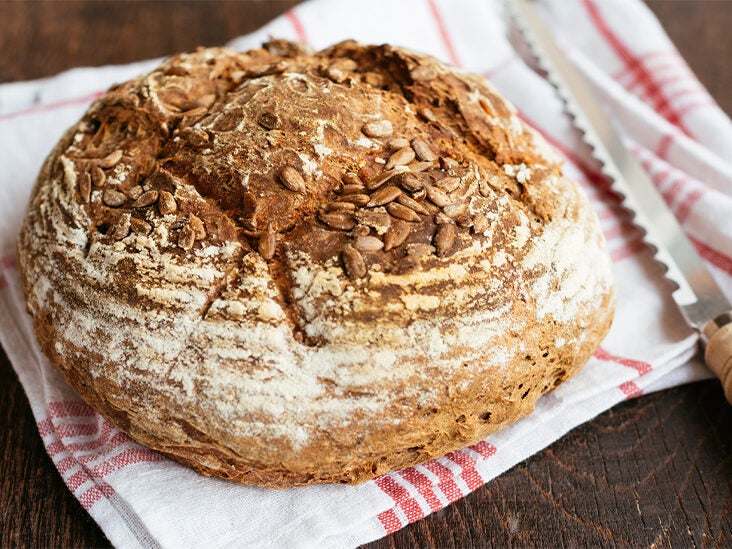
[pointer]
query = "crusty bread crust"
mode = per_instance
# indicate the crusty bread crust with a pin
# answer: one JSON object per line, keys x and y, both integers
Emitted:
{"x": 282, "y": 267}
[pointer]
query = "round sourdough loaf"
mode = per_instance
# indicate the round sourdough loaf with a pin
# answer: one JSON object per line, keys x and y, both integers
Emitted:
{"x": 283, "y": 267}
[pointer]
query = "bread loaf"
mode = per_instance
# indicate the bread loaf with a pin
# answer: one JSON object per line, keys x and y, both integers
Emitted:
{"x": 282, "y": 267}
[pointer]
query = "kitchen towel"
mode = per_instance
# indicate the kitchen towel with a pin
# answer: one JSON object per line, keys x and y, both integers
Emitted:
{"x": 141, "y": 499}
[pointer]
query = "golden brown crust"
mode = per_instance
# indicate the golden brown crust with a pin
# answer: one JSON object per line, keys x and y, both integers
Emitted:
{"x": 283, "y": 267}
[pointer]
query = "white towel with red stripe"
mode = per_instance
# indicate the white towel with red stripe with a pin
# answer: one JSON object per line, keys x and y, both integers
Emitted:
{"x": 141, "y": 499}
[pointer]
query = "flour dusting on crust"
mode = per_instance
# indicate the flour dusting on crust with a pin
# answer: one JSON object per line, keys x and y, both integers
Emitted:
{"x": 284, "y": 267}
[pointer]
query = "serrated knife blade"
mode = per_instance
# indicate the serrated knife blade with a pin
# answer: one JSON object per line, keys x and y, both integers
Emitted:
{"x": 698, "y": 296}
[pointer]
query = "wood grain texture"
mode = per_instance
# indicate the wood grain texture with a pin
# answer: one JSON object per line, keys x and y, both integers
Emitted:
{"x": 700, "y": 30}
{"x": 653, "y": 472}
{"x": 36, "y": 507}
{"x": 44, "y": 37}
{"x": 656, "y": 471}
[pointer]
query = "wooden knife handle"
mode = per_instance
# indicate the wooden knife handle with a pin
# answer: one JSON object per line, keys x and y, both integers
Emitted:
{"x": 718, "y": 354}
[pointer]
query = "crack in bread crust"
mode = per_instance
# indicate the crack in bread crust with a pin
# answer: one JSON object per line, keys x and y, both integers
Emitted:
{"x": 283, "y": 267}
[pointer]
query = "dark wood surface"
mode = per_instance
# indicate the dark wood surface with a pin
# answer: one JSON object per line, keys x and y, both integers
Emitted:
{"x": 655, "y": 471}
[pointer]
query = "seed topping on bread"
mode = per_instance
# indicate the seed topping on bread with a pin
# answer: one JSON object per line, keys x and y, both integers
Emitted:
{"x": 310, "y": 266}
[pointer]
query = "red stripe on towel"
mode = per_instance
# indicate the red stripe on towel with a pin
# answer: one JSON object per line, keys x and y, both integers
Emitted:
{"x": 297, "y": 25}
{"x": 631, "y": 390}
{"x": 641, "y": 367}
{"x": 52, "y": 106}
{"x": 442, "y": 29}
{"x": 630, "y": 59}
{"x": 401, "y": 497}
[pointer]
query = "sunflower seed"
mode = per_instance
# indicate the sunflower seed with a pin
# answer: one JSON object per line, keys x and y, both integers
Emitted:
{"x": 447, "y": 163}
{"x": 411, "y": 182}
{"x": 380, "y": 221}
{"x": 85, "y": 187}
{"x": 480, "y": 223}
{"x": 444, "y": 238}
{"x": 283, "y": 48}
{"x": 398, "y": 143}
{"x": 485, "y": 188}
{"x": 179, "y": 223}
{"x": 427, "y": 114}
{"x": 402, "y": 212}
{"x": 353, "y": 189}
{"x": 396, "y": 235}
{"x": 448, "y": 184}
{"x": 487, "y": 107}
{"x": 269, "y": 120}
{"x": 338, "y": 220}
{"x": 192, "y": 116}
{"x": 186, "y": 238}
{"x": 353, "y": 262}
{"x": 121, "y": 227}
{"x": 198, "y": 137}
{"x": 111, "y": 160}
{"x": 368, "y": 244}
{"x": 455, "y": 209}
{"x": 292, "y": 180}
{"x": 437, "y": 196}
{"x": 411, "y": 203}
{"x": 360, "y": 230}
{"x": 373, "y": 79}
{"x": 419, "y": 249}
{"x": 464, "y": 220}
{"x": 195, "y": 223}
{"x": 384, "y": 195}
{"x": 420, "y": 194}
{"x": 197, "y": 112}
{"x": 423, "y": 72}
{"x": 174, "y": 98}
{"x": 267, "y": 244}
{"x": 124, "y": 98}
{"x": 442, "y": 219}
{"x": 382, "y": 178}
{"x": 135, "y": 192}
{"x": 237, "y": 76}
{"x": 145, "y": 199}
{"x": 401, "y": 157}
{"x": 423, "y": 150}
{"x": 421, "y": 166}
{"x": 357, "y": 199}
{"x": 351, "y": 178}
{"x": 176, "y": 70}
{"x": 340, "y": 206}
{"x": 140, "y": 226}
{"x": 336, "y": 75}
{"x": 369, "y": 172}
{"x": 268, "y": 69}
{"x": 206, "y": 100}
{"x": 97, "y": 176}
{"x": 381, "y": 128}
{"x": 345, "y": 64}
{"x": 166, "y": 203}
{"x": 147, "y": 167}
{"x": 113, "y": 198}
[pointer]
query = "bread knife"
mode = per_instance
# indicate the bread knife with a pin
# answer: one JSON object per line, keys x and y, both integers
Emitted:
{"x": 702, "y": 303}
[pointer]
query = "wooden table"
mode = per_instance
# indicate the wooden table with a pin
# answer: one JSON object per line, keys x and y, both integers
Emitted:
{"x": 655, "y": 471}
